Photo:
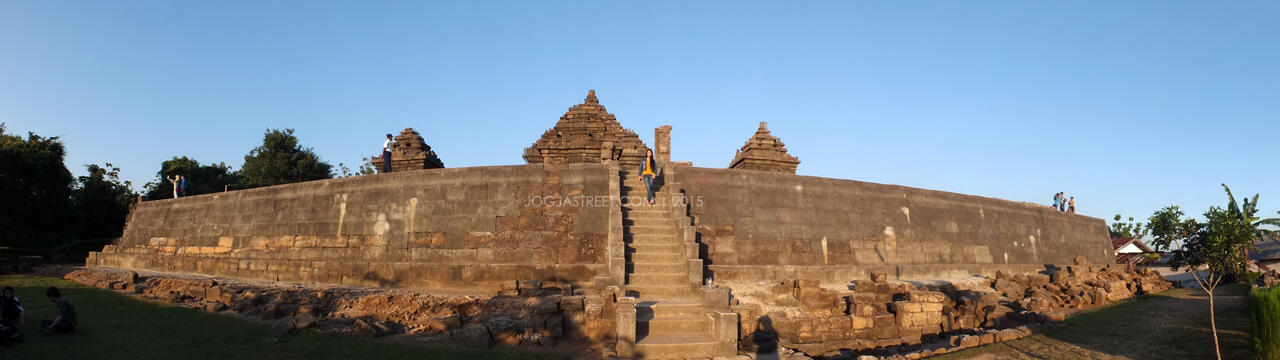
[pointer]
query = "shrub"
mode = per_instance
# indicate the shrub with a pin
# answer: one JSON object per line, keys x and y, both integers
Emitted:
{"x": 1252, "y": 277}
{"x": 1264, "y": 316}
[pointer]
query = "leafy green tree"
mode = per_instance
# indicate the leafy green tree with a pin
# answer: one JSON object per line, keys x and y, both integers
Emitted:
{"x": 281, "y": 160}
{"x": 35, "y": 191}
{"x": 1120, "y": 229}
{"x": 1219, "y": 245}
{"x": 101, "y": 202}
{"x": 201, "y": 179}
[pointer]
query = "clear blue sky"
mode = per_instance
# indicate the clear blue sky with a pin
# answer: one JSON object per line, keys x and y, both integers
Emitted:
{"x": 1126, "y": 105}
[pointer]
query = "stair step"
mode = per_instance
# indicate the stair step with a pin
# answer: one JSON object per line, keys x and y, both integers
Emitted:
{"x": 641, "y": 258}
{"x": 675, "y": 346}
{"x": 649, "y": 222}
{"x": 660, "y": 291}
{"x": 669, "y": 308}
{"x": 669, "y": 278}
{"x": 654, "y": 267}
{"x": 654, "y": 239}
{"x": 647, "y": 248}
{"x": 673, "y": 325}
{"x": 648, "y": 229}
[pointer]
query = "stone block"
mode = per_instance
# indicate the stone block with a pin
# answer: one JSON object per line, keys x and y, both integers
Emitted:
{"x": 905, "y": 307}
{"x": 926, "y": 296}
{"x": 879, "y": 277}
{"x": 858, "y": 322}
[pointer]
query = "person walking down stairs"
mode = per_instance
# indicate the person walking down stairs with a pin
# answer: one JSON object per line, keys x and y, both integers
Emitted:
{"x": 647, "y": 173}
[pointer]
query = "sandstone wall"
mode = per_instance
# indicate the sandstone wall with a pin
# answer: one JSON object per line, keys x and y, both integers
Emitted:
{"x": 758, "y": 225}
{"x": 439, "y": 228}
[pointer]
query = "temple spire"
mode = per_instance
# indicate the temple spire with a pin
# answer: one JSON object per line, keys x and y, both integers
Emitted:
{"x": 591, "y": 97}
{"x": 764, "y": 152}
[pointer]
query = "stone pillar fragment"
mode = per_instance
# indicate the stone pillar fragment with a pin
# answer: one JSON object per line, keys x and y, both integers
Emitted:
{"x": 662, "y": 143}
{"x": 626, "y": 327}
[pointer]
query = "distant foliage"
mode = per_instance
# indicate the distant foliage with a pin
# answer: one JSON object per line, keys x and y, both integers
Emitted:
{"x": 101, "y": 202}
{"x": 201, "y": 179}
{"x": 281, "y": 160}
{"x": 35, "y": 191}
{"x": 1120, "y": 229}
{"x": 364, "y": 169}
{"x": 1264, "y": 318}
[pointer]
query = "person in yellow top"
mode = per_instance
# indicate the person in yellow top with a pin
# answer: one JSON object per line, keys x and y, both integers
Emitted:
{"x": 647, "y": 173}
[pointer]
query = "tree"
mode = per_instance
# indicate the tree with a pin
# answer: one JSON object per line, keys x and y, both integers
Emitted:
{"x": 1120, "y": 229}
{"x": 101, "y": 201}
{"x": 1219, "y": 245}
{"x": 280, "y": 160}
{"x": 201, "y": 179}
{"x": 365, "y": 169}
{"x": 35, "y": 191}
{"x": 1245, "y": 216}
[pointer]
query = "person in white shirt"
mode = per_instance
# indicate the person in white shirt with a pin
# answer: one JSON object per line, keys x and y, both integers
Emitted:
{"x": 386, "y": 154}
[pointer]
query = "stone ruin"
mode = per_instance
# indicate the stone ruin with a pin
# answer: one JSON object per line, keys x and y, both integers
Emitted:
{"x": 752, "y": 259}
{"x": 764, "y": 152}
{"x": 410, "y": 152}
{"x": 587, "y": 133}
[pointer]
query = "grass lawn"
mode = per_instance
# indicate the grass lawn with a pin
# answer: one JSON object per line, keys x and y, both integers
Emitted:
{"x": 115, "y": 326}
{"x": 1170, "y": 325}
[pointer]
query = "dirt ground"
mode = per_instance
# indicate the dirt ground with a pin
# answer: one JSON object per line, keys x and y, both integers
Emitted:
{"x": 1170, "y": 325}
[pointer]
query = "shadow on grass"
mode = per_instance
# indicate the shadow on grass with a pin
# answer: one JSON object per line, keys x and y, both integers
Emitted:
{"x": 115, "y": 326}
{"x": 1171, "y": 325}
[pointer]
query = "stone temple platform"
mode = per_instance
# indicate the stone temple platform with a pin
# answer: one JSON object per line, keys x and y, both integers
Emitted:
{"x": 574, "y": 216}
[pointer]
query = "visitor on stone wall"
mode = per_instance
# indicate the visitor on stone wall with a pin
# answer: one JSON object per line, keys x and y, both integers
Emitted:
{"x": 1057, "y": 199}
{"x": 11, "y": 316}
{"x": 66, "y": 321}
{"x": 184, "y": 184}
{"x": 647, "y": 173}
{"x": 386, "y": 154}
{"x": 1071, "y": 206}
{"x": 1063, "y": 205}
{"x": 174, "y": 180}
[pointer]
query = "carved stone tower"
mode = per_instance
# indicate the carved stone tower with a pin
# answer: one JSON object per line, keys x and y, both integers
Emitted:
{"x": 765, "y": 152}
{"x": 587, "y": 133}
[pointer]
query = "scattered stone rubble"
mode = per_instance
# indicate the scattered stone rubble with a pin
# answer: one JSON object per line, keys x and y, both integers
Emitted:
{"x": 874, "y": 318}
{"x": 527, "y": 313}
{"x": 903, "y": 319}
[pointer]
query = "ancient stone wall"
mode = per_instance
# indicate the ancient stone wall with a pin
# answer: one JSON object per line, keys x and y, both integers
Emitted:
{"x": 440, "y": 228}
{"x": 762, "y": 225}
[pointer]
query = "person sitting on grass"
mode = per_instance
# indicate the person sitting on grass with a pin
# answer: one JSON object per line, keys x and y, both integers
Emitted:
{"x": 10, "y": 317}
{"x": 66, "y": 322}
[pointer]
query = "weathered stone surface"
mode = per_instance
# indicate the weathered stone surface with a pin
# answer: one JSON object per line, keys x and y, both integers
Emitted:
{"x": 764, "y": 152}
{"x": 587, "y": 133}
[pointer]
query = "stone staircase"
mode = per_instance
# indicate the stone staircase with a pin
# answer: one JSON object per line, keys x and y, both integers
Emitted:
{"x": 671, "y": 320}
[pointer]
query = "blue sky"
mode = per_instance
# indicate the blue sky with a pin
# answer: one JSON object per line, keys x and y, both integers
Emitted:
{"x": 1128, "y": 105}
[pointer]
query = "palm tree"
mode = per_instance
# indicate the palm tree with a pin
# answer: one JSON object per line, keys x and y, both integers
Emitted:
{"x": 1252, "y": 224}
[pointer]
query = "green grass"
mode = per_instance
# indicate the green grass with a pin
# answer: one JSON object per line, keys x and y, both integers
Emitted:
{"x": 115, "y": 326}
{"x": 1170, "y": 325}
{"x": 1264, "y": 316}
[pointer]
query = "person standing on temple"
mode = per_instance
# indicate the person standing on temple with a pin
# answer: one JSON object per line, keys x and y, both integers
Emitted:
{"x": 1071, "y": 206}
{"x": 176, "y": 186}
{"x": 647, "y": 173}
{"x": 184, "y": 184}
{"x": 1057, "y": 199}
{"x": 386, "y": 154}
{"x": 1063, "y": 205}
